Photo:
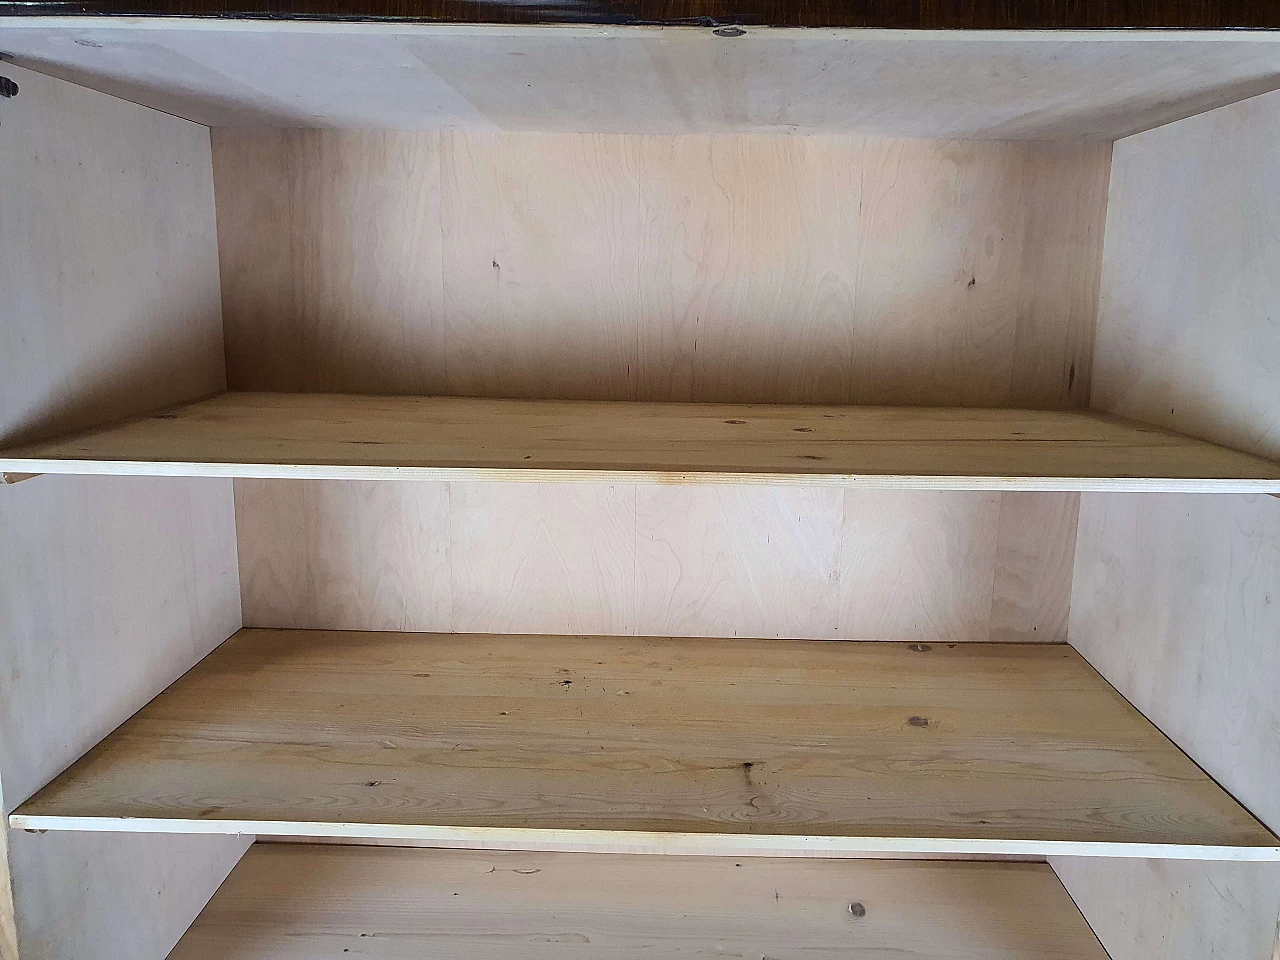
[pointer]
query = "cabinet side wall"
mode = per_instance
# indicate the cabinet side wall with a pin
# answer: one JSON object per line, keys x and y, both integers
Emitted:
{"x": 111, "y": 588}
{"x": 705, "y": 268}
{"x": 1176, "y": 600}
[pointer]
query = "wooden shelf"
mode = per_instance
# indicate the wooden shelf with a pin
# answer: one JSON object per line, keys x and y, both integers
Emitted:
{"x": 302, "y": 901}
{"x": 726, "y": 747}
{"x": 336, "y": 436}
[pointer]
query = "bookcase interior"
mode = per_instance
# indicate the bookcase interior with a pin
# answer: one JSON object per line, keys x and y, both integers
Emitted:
{"x": 736, "y": 345}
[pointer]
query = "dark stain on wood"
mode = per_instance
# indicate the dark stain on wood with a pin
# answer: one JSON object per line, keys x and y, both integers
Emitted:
{"x": 900, "y": 14}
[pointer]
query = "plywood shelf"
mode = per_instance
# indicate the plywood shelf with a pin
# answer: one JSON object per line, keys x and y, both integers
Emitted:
{"x": 652, "y": 746}
{"x": 341, "y": 436}
{"x": 302, "y": 901}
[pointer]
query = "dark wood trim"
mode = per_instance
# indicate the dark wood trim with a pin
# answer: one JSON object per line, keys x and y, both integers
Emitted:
{"x": 907, "y": 14}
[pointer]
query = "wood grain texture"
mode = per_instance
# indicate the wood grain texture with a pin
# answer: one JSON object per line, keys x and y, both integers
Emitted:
{"x": 658, "y": 745}
{"x": 109, "y": 315}
{"x": 1174, "y": 598}
{"x": 377, "y": 555}
{"x": 978, "y": 257}
{"x": 737, "y": 561}
{"x": 745, "y": 271}
{"x": 722, "y": 561}
{"x": 723, "y": 269}
{"x": 346, "y": 291}
{"x": 111, "y": 588}
{"x": 917, "y": 566}
{"x": 1165, "y": 910}
{"x": 1192, "y": 341}
{"x": 542, "y": 254}
{"x": 1034, "y": 559}
{"x": 560, "y": 556}
{"x": 657, "y": 80}
{"x": 8, "y": 920}
{"x": 295, "y": 901}
{"x": 113, "y": 895}
{"x": 356, "y": 437}
{"x": 1177, "y": 603}
{"x": 943, "y": 15}
{"x": 1063, "y": 198}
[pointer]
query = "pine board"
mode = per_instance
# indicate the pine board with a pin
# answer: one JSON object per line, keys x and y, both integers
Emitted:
{"x": 353, "y": 437}
{"x": 653, "y": 745}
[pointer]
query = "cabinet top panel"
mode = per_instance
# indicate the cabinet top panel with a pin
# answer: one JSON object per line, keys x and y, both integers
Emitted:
{"x": 945, "y": 15}
{"x": 355, "y": 437}
{"x": 668, "y": 80}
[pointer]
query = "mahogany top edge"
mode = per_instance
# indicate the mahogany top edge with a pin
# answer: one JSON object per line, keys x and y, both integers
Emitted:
{"x": 894, "y": 14}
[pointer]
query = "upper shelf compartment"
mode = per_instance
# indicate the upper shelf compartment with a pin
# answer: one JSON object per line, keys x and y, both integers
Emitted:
{"x": 349, "y": 437}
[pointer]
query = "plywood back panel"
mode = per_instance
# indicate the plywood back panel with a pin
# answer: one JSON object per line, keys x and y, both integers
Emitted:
{"x": 737, "y": 268}
{"x": 591, "y": 79}
{"x": 1175, "y": 598}
{"x": 111, "y": 588}
{"x": 801, "y": 269}
{"x": 623, "y": 559}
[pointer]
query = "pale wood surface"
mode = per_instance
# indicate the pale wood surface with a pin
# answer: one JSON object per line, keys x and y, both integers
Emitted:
{"x": 724, "y": 268}
{"x": 111, "y": 588}
{"x": 652, "y": 745}
{"x": 721, "y": 561}
{"x": 728, "y": 268}
{"x": 347, "y": 436}
{"x": 330, "y": 251}
{"x": 1188, "y": 335}
{"x": 1175, "y": 598}
{"x": 114, "y": 314}
{"x": 1190, "y": 582}
{"x": 8, "y": 922}
{"x": 1168, "y": 910}
{"x": 297, "y": 902}
{"x": 1175, "y": 603}
{"x": 1034, "y": 557}
{"x": 942, "y": 84}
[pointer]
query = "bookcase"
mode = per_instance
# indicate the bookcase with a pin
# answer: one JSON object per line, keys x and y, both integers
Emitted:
{"x": 481, "y": 491}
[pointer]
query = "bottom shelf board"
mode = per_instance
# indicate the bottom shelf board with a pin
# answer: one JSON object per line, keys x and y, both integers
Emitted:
{"x": 643, "y": 745}
{"x": 305, "y": 901}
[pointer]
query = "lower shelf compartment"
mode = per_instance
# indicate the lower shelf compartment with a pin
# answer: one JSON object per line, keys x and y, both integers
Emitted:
{"x": 689, "y": 746}
{"x": 305, "y": 901}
